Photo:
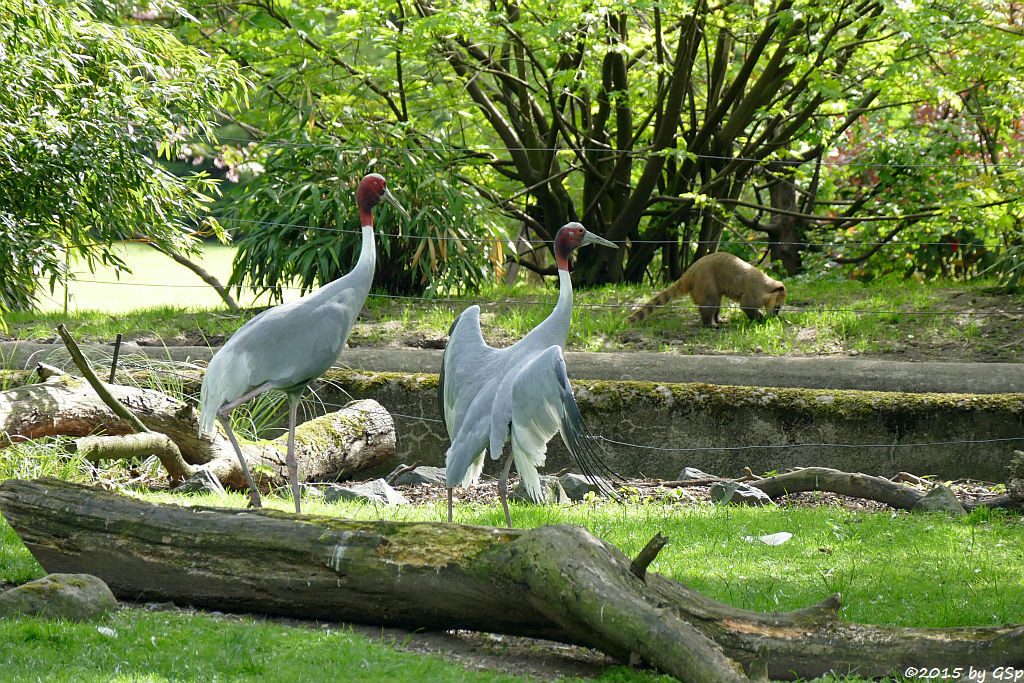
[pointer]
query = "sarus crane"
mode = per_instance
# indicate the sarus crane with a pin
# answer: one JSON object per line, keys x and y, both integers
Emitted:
{"x": 485, "y": 393}
{"x": 288, "y": 346}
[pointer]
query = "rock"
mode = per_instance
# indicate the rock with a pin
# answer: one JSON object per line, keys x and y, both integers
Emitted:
{"x": 738, "y": 493}
{"x": 201, "y": 482}
{"x": 576, "y": 486}
{"x": 311, "y": 491}
{"x": 551, "y": 491}
{"x": 160, "y": 606}
{"x": 377, "y": 491}
{"x": 940, "y": 499}
{"x": 77, "y": 597}
{"x": 694, "y": 473}
{"x": 421, "y": 475}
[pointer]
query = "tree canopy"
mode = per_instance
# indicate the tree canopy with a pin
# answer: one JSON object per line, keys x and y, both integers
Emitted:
{"x": 85, "y": 107}
{"x": 666, "y": 124}
{"x": 804, "y": 131}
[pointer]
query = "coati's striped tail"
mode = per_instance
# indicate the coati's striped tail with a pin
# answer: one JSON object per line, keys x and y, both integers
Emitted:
{"x": 678, "y": 288}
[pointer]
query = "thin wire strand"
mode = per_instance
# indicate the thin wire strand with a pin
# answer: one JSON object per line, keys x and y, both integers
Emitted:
{"x": 921, "y": 444}
{"x": 523, "y": 302}
{"x": 536, "y": 242}
{"x": 610, "y": 151}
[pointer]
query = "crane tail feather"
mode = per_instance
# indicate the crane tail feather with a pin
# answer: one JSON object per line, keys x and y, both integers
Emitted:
{"x": 584, "y": 448}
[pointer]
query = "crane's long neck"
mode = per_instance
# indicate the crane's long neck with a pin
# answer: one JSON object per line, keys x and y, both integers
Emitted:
{"x": 361, "y": 276}
{"x": 555, "y": 328}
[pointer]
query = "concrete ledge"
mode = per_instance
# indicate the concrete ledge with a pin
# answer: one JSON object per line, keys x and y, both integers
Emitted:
{"x": 718, "y": 426}
{"x": 764, "y": 371}
{"x": 722, "y": 429}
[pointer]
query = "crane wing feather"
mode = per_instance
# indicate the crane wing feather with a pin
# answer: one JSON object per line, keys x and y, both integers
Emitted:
{"x": 468, "y": 366}
{"x": 286, "y": 347}
{"x": 543, "y": 405}
{"x": 465, "y": 393}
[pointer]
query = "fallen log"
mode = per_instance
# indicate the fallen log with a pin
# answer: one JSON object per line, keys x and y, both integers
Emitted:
{"x": 359, "y": 436}
{"x": 852, "y": 484}
{"x": 859, "y": 485}
{"x": 556, "y": 582}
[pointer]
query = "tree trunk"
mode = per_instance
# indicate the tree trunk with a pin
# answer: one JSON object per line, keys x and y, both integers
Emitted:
{"x": 359, "y": 436}
{"x": 784, "y": 230}
{"x": 556, "y": 582}
{"x": 858, "y": 485}
{"x": 846, "y": 483}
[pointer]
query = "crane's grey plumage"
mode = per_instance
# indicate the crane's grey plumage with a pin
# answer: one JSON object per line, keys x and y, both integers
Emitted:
{"x": 485, "y": 393}
{"x": 288, "y": 346}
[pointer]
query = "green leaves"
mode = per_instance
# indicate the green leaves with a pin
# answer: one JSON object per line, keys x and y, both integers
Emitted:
{"x": 84, "y": 107}
{"x": 298, "y": 224}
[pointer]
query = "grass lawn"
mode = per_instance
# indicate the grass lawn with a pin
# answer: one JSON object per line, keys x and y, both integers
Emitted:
{"x": 889, "y": 318}
{"x": 155, "y": 282}
{"x": 890, "y": 567}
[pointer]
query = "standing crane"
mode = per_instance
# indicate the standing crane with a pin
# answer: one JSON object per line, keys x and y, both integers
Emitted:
{"x": 487, "y": 393}
{"x": 288, "y": 346}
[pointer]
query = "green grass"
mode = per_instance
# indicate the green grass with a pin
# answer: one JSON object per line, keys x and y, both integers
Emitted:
{"x": 891, "y": 568}
{"x": 165, "y": 646}
{"x": 823, "y": 316}
{"x": 154, "y": 281}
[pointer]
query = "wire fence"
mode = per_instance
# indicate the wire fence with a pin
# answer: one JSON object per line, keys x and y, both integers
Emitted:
{"x": 609, "y": 151}
{"x": 624, "y": 306}
{"x": 627, "y": 243}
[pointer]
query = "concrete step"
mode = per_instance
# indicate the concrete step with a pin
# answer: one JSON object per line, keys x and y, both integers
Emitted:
{"x": 866, "y": 374}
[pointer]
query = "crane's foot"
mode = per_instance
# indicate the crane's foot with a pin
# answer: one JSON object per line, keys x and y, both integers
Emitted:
{"x": 254, "y": 501}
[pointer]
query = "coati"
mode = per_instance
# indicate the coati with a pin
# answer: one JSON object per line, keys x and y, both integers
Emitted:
{"x": 717, "y": 275}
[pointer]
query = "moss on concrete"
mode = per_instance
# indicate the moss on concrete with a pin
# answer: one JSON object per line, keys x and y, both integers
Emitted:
{"x": 363, "y": 381}
{"x": 615, "y": 395}
{"x": 611, "y": 395}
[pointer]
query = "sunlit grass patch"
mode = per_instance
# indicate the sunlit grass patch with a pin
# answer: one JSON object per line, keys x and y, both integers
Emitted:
{"x": 889, "y": 567}
{"x": 140, "y": 645}
{"x": 160, "y": 323}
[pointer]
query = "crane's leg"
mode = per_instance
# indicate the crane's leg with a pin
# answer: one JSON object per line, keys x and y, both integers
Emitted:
{"x": 449, "y": 506}
{"x": 224, "y": 415}
{"x": 254, "y": 493}
{"x": 293, "y": 465}
{"x": 503, "y": 489}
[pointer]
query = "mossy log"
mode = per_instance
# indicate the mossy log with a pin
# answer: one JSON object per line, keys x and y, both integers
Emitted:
{"x": 358, "y": 436}
{"x": 858, "y": 485}
{"x": 556, "y": 582}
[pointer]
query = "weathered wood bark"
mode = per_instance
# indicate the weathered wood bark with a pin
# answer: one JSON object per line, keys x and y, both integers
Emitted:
{"x": 555, "y": 582}
{"x": 96, "y": 449}
{"x": 358, "y": 436}
{"x": 859, "y": 485}
{"x": 847, "y": 483}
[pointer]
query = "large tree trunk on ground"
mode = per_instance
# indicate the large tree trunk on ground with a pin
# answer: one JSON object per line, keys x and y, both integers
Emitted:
{"x": 555, "y": 582}
{"x": 858, "y": 485}
{"x": 359, "y": 436}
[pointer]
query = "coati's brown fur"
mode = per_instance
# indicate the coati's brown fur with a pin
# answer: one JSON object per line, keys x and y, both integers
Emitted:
{"x": 717, "y": 275}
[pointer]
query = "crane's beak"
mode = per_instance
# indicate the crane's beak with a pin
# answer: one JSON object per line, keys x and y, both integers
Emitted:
{"x": 390, "y": 199}
{"x": 591, "y": 238}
